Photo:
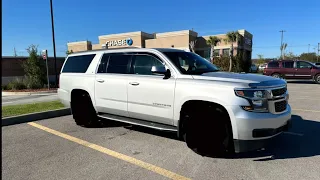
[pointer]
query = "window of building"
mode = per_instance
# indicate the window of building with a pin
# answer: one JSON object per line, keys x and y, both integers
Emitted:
{"x": 273, "y": 64}
{"x": 216, "y": 52}
{"x": 301, "y": 64}
{"x": 118, "y": 64}
{"x": 78, "y": 64}
{"x": 142, "y": 64}
{"x": 288, "y": 64}
{"x": 225, "y": 52}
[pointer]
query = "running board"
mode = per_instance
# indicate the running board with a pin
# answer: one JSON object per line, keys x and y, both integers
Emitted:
{"x": 138, "y": 122}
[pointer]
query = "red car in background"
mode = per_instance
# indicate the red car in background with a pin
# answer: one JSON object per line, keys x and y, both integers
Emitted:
{"x": 292, "y": 69}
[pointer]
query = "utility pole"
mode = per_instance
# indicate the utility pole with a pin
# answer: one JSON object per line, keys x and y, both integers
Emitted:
{"x": 308, "y": 48}
{"x": 282, "y": 31}
{"x": 318, "y": 52}
{"x": 54, "y": 44}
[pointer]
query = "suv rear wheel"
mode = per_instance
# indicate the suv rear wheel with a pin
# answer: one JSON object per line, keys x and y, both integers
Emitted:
{"x": 317, "y": 78}
{"x": 208, "y": 131}
{"x": 276, "y": 75}
{"x": 83, "y": 111}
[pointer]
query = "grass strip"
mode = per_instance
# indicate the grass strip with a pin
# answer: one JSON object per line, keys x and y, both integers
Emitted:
{"x": 16, "y": 110}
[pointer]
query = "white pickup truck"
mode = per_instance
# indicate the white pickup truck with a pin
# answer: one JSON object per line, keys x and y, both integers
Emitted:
{"x": 175, "y": 90}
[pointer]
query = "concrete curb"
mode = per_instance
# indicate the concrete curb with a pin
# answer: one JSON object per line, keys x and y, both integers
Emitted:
{"x": 35, "y": 116}
{"x": 27, "y": 93}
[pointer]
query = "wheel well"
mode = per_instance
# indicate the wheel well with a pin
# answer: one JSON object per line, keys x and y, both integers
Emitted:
{"x": 195, "y": 105}
{"x": 77, "y": 92}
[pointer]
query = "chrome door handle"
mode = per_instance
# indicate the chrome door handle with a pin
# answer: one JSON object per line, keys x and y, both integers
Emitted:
{"x": 134, "y": 83}
{"x": 100, "y": 80}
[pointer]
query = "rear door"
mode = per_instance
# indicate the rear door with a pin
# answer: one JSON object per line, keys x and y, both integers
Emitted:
{"x": 111, "y": 84}
{"x": 303, "y": 70}
{"x": 288, "y": 69}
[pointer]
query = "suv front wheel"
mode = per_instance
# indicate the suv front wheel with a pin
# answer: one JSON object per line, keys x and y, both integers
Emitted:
{"x": 208, "y": 131}
{"x": 83, "y": 111}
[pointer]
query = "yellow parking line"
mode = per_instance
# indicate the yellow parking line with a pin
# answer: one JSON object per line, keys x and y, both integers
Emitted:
{"x": 109, "y": 152}
{"x": 306, "y": 110}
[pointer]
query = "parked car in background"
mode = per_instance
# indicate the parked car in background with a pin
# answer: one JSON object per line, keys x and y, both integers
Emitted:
{"x": 293, "y": 69}
{"x": 253, "y": 68}
{"x": 317, "y": 63}
{"x": 262, "y": 66}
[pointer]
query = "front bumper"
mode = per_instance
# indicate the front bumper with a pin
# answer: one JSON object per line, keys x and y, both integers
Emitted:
{"x": 250, "y": 145}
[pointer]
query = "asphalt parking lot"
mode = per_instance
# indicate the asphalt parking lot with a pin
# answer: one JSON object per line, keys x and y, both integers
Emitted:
{"x": 59, "y": 149}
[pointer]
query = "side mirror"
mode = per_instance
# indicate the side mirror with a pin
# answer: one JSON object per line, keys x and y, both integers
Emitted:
{"x": 158, "y": 70}
{"x": 161, "y": 70}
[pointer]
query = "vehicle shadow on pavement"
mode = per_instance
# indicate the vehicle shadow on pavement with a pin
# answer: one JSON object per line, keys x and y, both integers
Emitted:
{"x": 302, "y": 140}
{"x": 300, "y": 82}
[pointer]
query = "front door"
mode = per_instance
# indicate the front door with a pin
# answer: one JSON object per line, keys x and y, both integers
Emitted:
{"x": 303, "y": 70}
{"x": 111, "y": 84}
{"x": 150, "y": 96}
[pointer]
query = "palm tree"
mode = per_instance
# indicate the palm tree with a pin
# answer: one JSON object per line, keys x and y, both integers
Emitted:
{"x": 212, "y": 42}
{"x": 283, "y": 48}
{"x": 231, "y": 38}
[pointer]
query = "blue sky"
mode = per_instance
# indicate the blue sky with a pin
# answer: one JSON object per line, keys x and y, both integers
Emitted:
{"x": 28, "y": 22}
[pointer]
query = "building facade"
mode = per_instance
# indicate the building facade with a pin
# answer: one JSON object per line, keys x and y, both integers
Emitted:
{"x": 176, "y": 39}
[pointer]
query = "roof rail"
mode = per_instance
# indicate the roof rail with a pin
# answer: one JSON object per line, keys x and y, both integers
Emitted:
{"x": 97, "y": 50}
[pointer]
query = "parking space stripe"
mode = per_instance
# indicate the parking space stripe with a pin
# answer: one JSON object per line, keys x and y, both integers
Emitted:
{"x": 306, "y": 110}
{"x": 109, "y": 152}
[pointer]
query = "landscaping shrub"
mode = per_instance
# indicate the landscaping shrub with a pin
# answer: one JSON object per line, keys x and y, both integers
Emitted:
{"x": 16, "y": 84}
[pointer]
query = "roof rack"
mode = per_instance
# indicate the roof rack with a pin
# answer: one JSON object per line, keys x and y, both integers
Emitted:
{"x": 97, "y": 50}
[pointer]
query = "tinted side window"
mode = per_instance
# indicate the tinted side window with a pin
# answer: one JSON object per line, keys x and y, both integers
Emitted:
{"x": 142, "y": 64}
{"x": 103, "y": 64}
{"x": 78, "y": 64}
{"x": 118, "y": 64}
{"x": 288, "y": 64}
{"x": 301, "y": 64}
{"x": 273, "y": 64}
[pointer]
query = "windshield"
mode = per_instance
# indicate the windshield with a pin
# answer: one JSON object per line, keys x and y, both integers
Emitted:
{"x": 190, "y": 63}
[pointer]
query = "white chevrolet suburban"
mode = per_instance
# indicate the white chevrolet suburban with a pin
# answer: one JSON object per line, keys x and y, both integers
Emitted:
{"x": 175, "y": 90}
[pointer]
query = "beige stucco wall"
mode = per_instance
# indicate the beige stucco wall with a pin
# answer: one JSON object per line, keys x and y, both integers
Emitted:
{"x": 96, "y": 46}
{"x": 79, "y": 46}
{"x": 137, "y": 38}
{"x": 178, "y": 39}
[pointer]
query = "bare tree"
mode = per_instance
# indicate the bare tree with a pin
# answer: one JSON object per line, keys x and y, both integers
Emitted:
{"x": 192, "y": 45}
{"x": 283, "y": 48}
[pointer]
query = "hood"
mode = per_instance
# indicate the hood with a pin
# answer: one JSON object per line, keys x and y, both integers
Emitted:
{"x": 251, "y": 80}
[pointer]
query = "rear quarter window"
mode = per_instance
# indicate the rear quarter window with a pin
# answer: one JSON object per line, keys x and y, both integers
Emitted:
{"x": 78, "y": 64}
{"x": 273, "y": 65}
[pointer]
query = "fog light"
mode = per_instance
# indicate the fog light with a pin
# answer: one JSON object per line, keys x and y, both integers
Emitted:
{"x": 247, "y": 108}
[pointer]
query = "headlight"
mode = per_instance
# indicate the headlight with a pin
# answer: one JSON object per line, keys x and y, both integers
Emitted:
{"x": 257, "y": 99}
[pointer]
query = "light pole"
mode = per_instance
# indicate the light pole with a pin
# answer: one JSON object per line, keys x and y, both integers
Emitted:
{"x": 282, "y": 31}
{"x": 54, "y": 45}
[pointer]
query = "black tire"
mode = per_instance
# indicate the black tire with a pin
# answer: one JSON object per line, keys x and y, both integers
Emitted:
{"x": 317, "y": 78}
{"x": 83, "y": 111}
{"x": 276, "y": 75}
{"x": 208, "y": 132}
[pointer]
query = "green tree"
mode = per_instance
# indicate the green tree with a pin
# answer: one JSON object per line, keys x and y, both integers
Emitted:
{"x": 232, "y": 37}
{"x": 290, "y": 55}
{"x": 212, "y": 42}
{"x": 69, "y": 52}
{"x": 261, "y": 59}
{"x": 34, "y": 69}
{"x": 309, "y": 57}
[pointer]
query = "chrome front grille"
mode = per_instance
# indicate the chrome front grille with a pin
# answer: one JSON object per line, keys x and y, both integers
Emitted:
{"x": 277, "y": 100}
